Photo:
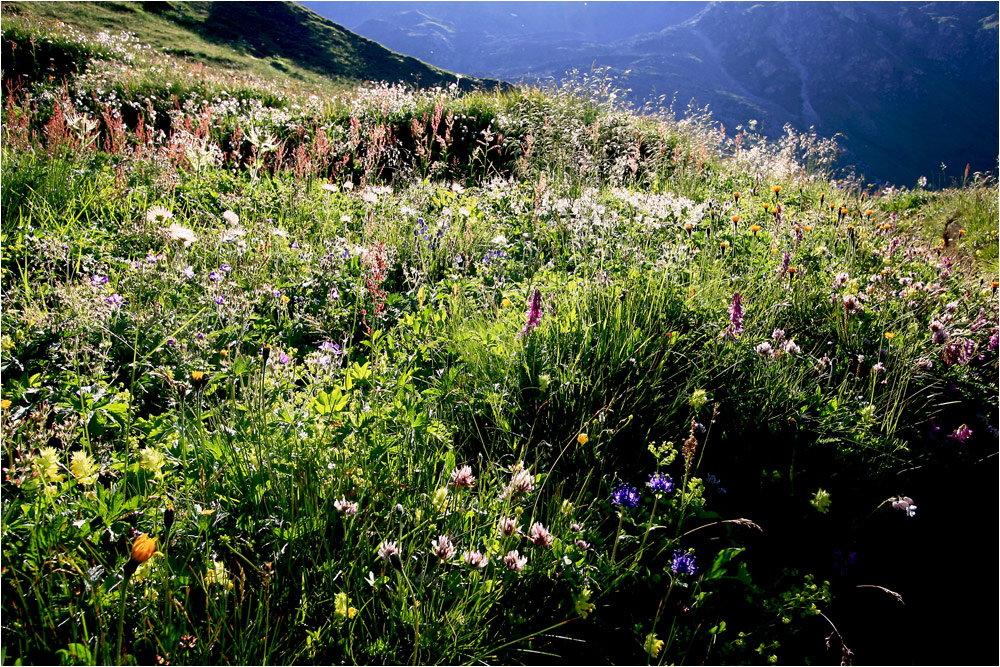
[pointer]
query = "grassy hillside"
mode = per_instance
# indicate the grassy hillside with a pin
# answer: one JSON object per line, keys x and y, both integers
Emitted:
{"x": 388, "y": 375}
{"x": 279, "y": 40}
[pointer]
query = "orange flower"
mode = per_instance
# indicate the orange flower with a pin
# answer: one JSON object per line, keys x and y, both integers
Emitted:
{"x": 736, "y": 195}
{"x": 869, "y": 213}
{"x": 736, "y": 219}
{"x": 776, "y": 189}
{"x": 843, "y": 210}
{"x": 809, "y": 228}
{"x": 223, "y": 353}
{"x": 755, "y": 229}
{"x": 889, "y": 335}
{"x": 144, "y": 548}
{"x": 4, "y": 404}
{"x": 792, "y": 270}
{"x": 688, "y": 227}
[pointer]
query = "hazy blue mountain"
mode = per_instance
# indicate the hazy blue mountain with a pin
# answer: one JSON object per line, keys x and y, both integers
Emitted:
{"x": 908, "y": 85}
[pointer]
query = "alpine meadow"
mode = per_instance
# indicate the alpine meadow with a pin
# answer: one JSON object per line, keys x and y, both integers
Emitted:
{"x": 315, "y": 354}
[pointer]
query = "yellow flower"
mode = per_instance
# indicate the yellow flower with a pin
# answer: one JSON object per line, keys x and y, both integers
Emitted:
{"x": 83, "y": 468}
{"x": 152, "y": 460}
{"x": 505, "y": 303}
{"x": 144, "y": 548}
{"x": 4, "y": 404}
{"x": 653, "y": 645}
{"x": 47, "y": 465}
{"x": 582, "y": 438}
{"x": 776, "y": 189}
{"x": 755, "y": 228}
{"x": 197, "y": 376}
{"x": 890, "y": 335}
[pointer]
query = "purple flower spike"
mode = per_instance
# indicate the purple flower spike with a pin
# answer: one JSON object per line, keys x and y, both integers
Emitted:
{"x": 683, "y": 563}
{"x": 534, "y": 313}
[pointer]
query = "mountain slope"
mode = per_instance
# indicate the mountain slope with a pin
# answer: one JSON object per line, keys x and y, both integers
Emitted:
{"x": 906, "y": 85}
{"x": 280, "y": 39}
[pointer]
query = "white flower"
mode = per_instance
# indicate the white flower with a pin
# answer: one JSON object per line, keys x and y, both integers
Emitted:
{"x": 231, "y": 218}
{"x": 178, "y": 232}
{"x": 474, "y": 559}
{"x": 345, "y": 506}
{"x": 515, "y": 561}
{"x": 158, "y": 214}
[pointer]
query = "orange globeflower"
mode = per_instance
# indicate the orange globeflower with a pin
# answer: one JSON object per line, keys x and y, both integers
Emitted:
{"x": 736, "y": 219}
{"x": 755, "y": 229}
{"x": 736, "y": 196}
{"x": 776, "y": 189}
{"x": 869, "y": 213}
{"x": 144, "y": 548}
{"x": 843, "y": 210}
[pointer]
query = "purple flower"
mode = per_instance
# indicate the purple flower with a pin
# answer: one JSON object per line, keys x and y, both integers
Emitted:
{"x": 387, "y": 550}
{"x": 625, "y": 495}
{"x": 534, "y": 313}
{"x": 736, "y": 316}
{"x": 115, "y": 299}
{"x": 683, "y": 562}
{"x": 515, "y": 561}
{"x": 226, "y": 268}
{"x": 295, "y": 245}
{"x": 98, "y": 280}
{"x": 778, "y": 335}
{"x": 540, "y": 536}
{"x": 332, "y": 348}
{"x": 961, "y": 434}
{"x": 171, "y": 342}
{"x": 660, "y": 483}
{"x": 443, "y": 548}
{"x": 213, "y": 276}
{"x": 284, "y": 359}
{"x": 940, "y": 334}
{"x": 188, "y": 272}
{"x": 219, "y": 300}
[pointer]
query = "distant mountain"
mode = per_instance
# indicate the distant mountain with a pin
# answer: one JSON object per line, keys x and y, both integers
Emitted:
{"x": 907, "y": 85}
{"x": 287, "y": 38}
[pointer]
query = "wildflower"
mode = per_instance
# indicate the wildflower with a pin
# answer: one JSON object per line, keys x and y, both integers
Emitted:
{"x": 387, "y": 550}
{"x": 46, "y": 464}
{"x": 199, "y": 378}
{"x": 443, "y": 548}
{"x": 231, "y": 218}
{"x": 889, "y": 335}
{"x": 4, "y": 404}
{"x": 143, "y": 548}
{"x": 507, "y": 526}
{"x": 332, "y": 348}
{"x": 765, "y": 349}
{"x": 97, "y": 280}
{"x": 83, "y": 468}
{"x": 778, "y": 335}
{"x": 283, "y": 359}
{"x": 683, "y": 562}
{"x": 158, "y": 215}
{"x": 219, "y": 300}
{"x": 188, "y": 272}
{"x": 152, "y": 460}
{"x": 790, "y": 347}
{"x": 625, "y": 495}
{"x": 821, "y": 501}
{"x": 115, "y": 299}
{"x": 776, "y": 189}
{"x": 540, "y": 536}
{"x": 699, "y": 397}
{"x": 878, "y": 368}
{"x": 905, "y": 504}
{"x": 534, "y": 314}
{"x": 581, "y": 544}
{"x": 940, "y": 334}
{"x": 961, "y": 434}
{"x": 181, "y": 233}
{"x": 755, "y": 229}
{"x": 462, "y": 477}
{"x": 225, "y": 268}
{"x": 582, "y": 603}
{"x": 653, "y": 645}
{"x": 346, "y": 506}
{"x": 474, "y": 559}
{"x": 329, "y": 187}
{"x": 736, "y": 316}
{"x": 505, "y": 303}
{"x": 342, "y": 607}
{"x": 521, "y": 482}
{"x": 853, "y": 305}
{"x": 515, "y": 561}
{"x": 735, "y": 219}
{"x": 660, "y": 483}
{"x": 583, "y": 439}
